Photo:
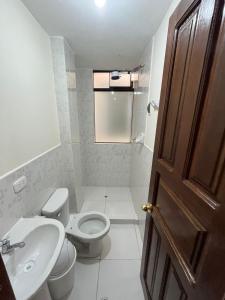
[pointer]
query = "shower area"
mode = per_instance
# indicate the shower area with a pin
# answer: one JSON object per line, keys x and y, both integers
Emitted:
{"x": 105, "y": 119}
{"x": 105, "y": 161}
{"x": 115, "y": 169}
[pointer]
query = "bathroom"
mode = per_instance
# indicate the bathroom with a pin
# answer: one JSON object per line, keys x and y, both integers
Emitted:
{"x": 97, "y": 201}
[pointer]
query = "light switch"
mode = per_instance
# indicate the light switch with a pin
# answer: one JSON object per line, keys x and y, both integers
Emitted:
{"x": 20, "y": 184}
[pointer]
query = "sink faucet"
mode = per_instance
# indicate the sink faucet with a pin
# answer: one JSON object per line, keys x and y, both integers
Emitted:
{"x": 7, "y": 248}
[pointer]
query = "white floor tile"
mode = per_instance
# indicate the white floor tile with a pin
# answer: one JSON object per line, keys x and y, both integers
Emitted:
{"x": 94, "y": 199}
{"x": 119, "y": 209}
{"x": 139, "y": 240}
{"x": 119, "y": 280}
{"x": 119, "y": 204}
{"x": 86, "y": 280}
{"x": 91, "y": 192}
{"x": 93, "y": 205}
{"x": 118, "y": 193}
{"x": 121, "y": 243}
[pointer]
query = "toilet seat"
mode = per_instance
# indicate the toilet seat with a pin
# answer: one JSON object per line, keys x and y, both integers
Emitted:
{"x": 90, "y": 226}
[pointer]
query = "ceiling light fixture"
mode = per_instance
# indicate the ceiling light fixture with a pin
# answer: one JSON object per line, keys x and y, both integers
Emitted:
{"x": 100, "y": 3}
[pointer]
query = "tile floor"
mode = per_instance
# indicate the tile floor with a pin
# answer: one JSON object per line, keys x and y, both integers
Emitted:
{"x": 115, "y": 275}
{"x": 115, "y": 202}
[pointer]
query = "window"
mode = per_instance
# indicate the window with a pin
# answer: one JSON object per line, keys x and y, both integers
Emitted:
{"x": 102, "y": 80}
{"x": 124, "y": 81}
{"x": 113, "y": 108}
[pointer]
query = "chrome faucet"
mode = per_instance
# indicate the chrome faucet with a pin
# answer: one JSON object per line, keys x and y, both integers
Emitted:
{"x": 7, "y": 248}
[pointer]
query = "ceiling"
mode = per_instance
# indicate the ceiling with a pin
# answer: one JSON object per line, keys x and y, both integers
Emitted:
{"x": 111, "y": 37}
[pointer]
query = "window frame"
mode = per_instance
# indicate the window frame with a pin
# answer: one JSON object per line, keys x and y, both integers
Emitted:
{"x": 114, "y": 89}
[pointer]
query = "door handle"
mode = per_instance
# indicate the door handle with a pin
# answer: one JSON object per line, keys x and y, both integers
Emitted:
{"x": 148, "y": 207}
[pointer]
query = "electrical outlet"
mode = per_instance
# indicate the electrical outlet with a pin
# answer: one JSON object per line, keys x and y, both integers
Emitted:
{"x": 20, "y": 184}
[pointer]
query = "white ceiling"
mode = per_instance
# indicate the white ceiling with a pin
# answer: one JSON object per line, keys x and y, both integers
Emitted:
{"x": 112, "y": 37}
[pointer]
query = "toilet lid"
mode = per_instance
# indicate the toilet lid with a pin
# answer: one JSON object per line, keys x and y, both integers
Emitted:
{"x": 55, "y": 202}
{"x": 65, "y": 259}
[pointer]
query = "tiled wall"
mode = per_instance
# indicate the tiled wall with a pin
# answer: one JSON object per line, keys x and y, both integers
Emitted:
{"x": 59, "y": 166}
{"x": 102, "y": 164}
{"x": 141, "y": 156}
{"x": 43, "y": 176}
{"x": 64, "y": 63}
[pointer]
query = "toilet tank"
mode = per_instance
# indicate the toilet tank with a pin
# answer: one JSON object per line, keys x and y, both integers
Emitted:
{"x": 57, "y": 206}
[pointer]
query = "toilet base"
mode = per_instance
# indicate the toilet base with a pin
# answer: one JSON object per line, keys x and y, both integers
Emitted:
{"x": 87, "y": 250}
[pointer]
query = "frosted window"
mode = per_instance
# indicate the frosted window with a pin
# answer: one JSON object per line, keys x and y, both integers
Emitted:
{"x": 124, "y": 81}
{"x": 101, "y": 80}
{"x": 113, "y": 115}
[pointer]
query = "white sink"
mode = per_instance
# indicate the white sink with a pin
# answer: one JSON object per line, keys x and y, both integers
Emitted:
{"x": 29, "y": 267}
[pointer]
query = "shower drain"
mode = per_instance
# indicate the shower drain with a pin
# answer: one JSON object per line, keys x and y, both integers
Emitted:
{"x": 28, "y": 266}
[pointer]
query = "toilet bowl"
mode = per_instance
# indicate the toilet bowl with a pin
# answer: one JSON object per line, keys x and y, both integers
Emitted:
{"x": 87, "y": 231}
{"x": 84, "y": 230}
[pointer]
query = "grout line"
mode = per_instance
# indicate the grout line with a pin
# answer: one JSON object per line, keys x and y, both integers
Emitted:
{"x": 88, "y": 258}
{"x": 136, "y": 234}
{"x": 98, "y": 279}
{"x": 105, "y": 200}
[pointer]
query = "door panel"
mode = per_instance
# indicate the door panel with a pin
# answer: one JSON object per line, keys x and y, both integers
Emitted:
{"x": 183, "y": 40}
{"x": 162, "y": 279}
{"x": 173, "y": 288}
{"x": 184, "y": 244}
{"x": 186, "y": 230}
{"x": 206, "y": 163}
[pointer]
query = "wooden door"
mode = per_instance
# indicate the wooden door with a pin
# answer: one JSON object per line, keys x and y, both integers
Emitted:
{"x": 6, "y": 292}
{"x": 184, "y": 243}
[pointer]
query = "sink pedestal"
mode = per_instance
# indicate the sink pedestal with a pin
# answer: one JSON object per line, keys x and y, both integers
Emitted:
{"x": 43, "y": 293}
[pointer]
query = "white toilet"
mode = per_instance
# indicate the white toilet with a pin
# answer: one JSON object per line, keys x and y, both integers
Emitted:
{"x": 85, "y": 230}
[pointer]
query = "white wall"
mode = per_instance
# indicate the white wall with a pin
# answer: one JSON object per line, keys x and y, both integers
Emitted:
{"x": 28, "y": 114}
{"x": 141, "y": 156}
{"x": 149, "y": 88}
{"x": 157, "y": 63}
{"x": 59, "y": 166}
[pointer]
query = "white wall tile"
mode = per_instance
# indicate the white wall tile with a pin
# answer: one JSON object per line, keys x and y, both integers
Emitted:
{"x": 141, "y": 156}
{"x": 43, "y": 176}
{"x": 63, "y": 62}
{"x": 102, "y": 164}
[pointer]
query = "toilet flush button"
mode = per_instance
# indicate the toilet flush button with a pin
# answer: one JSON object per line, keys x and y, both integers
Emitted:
{"x": 20, "y": 184}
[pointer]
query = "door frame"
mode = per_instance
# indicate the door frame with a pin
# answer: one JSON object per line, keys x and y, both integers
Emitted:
{"x": 6, "y": 291}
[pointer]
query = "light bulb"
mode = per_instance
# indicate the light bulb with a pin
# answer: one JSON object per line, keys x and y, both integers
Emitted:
{"x": 100, "y": 3}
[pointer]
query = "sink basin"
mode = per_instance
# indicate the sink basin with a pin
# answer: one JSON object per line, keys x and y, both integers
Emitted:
{"x": 29, "y": 267}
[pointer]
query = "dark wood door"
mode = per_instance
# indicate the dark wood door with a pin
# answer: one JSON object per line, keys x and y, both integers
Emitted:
{"x": 184, "y": 243}
{"x": 6, "y": 292}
